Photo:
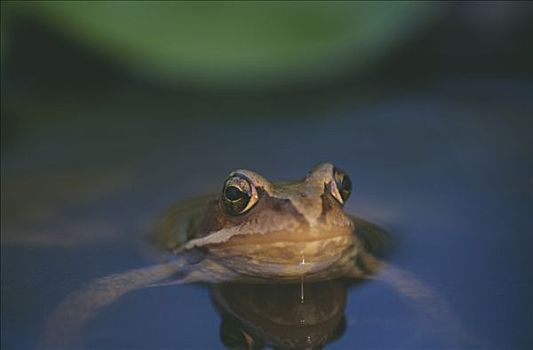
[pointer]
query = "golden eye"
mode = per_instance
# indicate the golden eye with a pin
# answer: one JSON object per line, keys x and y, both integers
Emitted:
{"x": 239, "y": 195}
{"x": 341, "y": 186}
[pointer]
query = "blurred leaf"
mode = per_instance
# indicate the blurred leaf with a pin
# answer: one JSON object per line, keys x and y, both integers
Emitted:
{"x": 238, "y": 43}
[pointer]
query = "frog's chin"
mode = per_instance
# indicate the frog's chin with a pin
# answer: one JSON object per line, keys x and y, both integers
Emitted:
{"x": 284, "y": 259}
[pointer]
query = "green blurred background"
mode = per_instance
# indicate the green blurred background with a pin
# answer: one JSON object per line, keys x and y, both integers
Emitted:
{"x": 244, "y": 58}
{"x": 235, "y": 44}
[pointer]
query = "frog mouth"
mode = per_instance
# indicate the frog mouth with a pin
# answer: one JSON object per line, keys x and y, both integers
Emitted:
{"x": 234, "y": 238}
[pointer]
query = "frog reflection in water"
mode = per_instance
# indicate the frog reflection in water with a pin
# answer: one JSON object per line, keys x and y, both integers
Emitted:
{"x": 254, "y": 231}
{"x": 286, "y": 321}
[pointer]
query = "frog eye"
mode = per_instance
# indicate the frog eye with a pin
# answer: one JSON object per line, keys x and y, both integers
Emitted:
{"x": 341, "y": 186}
{"x": 239, "y": 195}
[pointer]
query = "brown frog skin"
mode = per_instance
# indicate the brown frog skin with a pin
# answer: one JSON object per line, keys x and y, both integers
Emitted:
{"x": 259, "y": 230}
{"x": 253, "y": 231}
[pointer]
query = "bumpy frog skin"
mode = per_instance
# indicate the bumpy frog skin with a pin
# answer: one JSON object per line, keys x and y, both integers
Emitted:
{"x": 252, "y": 231}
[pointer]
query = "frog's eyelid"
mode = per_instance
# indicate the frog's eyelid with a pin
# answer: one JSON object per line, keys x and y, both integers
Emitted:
{"x": 257, "y": 180}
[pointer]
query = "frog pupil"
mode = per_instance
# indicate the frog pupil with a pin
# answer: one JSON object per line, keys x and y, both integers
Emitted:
{"x": 234, "y": 193}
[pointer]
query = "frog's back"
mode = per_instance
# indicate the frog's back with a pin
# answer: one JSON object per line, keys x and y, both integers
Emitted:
{"x": 183, "y": 222}
{"x": 374, "y": 239}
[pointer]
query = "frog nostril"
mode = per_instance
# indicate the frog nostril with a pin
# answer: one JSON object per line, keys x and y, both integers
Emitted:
{"x": 303, "y": 195}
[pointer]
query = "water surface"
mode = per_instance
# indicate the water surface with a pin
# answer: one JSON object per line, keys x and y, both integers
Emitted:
{"x": 446, "y": 170}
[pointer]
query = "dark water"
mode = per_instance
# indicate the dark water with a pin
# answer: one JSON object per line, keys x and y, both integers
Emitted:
{"x": 446, "y": 170}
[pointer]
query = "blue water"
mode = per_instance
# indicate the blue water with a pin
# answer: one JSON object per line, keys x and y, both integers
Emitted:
{"x": 447, "y": 170}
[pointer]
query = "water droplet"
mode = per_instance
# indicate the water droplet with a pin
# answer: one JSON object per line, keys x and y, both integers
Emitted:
{"x": 302, "y": 296}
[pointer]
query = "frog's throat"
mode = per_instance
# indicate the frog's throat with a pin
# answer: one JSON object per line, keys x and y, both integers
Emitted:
{"x": 288, "y": 253}
{"x": 286, "y": 260}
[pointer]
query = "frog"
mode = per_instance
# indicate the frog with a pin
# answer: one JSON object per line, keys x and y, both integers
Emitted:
{"x": 256, "y": 230}
{"x": 252, "y": 231}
